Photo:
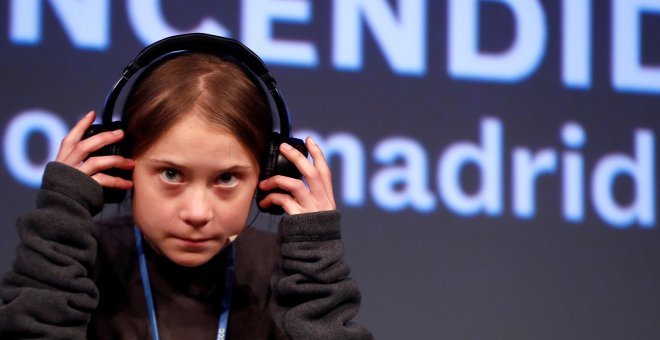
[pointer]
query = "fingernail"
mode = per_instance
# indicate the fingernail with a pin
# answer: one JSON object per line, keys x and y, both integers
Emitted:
{"x": 286, "y": 146}
{"x": 311, "y": 140}
{"x": 116, "y": 132}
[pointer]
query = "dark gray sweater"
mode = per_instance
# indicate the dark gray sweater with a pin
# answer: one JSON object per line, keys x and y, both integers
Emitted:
{"x": 74, "y": 278}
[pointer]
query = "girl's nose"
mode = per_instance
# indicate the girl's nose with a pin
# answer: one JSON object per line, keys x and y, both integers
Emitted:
{"x": 197, "y": 209}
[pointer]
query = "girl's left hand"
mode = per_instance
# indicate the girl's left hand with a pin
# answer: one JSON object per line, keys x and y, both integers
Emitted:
{"x": 318, "y": 197}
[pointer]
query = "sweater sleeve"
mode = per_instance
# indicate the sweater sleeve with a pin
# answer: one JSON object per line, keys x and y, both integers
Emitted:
{"x": 48, "y": 294}
{"x": 316, "y": 298}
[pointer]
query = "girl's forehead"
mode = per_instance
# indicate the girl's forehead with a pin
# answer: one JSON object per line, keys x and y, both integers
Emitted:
{"x": 194, "y": 127}
{"x": 193, "y": 140}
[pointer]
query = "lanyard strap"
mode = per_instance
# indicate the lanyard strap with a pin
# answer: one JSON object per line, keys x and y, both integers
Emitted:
{"x": 226, "y": 299}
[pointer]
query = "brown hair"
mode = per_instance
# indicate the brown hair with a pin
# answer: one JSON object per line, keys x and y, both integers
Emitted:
{"x": 218, "y": 89}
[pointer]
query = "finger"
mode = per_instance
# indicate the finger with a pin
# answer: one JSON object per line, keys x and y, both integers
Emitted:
{"x": 73, "y": 137}
{"x": 293, "y": 186}
{"x": 83, "y": 148}
{"x": 108, "y": 181}
{"x": 306, "y": 200}
{"x": 288, "y": 203}
{"x": 321, "y": 166}
{"x": 98, "y": 164}
{"x": 305, "y": 167}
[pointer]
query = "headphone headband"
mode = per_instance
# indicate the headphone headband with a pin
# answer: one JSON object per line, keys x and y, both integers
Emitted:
{"x": 228, "y": 48}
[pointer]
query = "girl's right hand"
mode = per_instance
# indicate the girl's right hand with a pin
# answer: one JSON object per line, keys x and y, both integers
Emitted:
{"x": 74, "y": 152}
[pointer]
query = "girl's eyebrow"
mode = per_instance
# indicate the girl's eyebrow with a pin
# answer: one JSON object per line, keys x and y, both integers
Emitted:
{"x": 173, "y": 164}
{"x": 165, "y": 162}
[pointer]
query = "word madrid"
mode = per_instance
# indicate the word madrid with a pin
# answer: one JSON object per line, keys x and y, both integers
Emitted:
{"x": 400, "y": 30}
{"x": 400, "y": 177}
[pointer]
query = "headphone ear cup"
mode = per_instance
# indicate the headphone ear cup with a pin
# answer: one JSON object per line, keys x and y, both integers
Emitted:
{"x": 268, "y": 163}
{"x": 274, "y": 164}
{"x": 111, "y": 195}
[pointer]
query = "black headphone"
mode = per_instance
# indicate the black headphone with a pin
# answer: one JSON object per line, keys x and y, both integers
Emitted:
{"x": 272, "y": 163}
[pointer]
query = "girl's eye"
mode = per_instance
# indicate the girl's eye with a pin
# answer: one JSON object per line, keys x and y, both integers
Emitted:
{"x": 170, "y": 175}
{"x": 227, "y": 179}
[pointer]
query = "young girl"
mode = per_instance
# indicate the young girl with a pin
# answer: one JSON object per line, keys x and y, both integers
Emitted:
{"x": 183, "y": 264}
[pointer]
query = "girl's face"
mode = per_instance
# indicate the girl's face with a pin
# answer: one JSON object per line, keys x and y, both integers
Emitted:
{"x": 193, "y": 189}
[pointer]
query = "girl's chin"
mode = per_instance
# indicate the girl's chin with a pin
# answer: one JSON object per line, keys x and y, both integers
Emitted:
{"x": 190, "y": 260}
{"x": 190, "y": 254}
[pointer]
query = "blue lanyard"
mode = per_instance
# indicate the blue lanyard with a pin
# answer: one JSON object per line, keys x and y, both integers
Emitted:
{"x": 226, "y": 299}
